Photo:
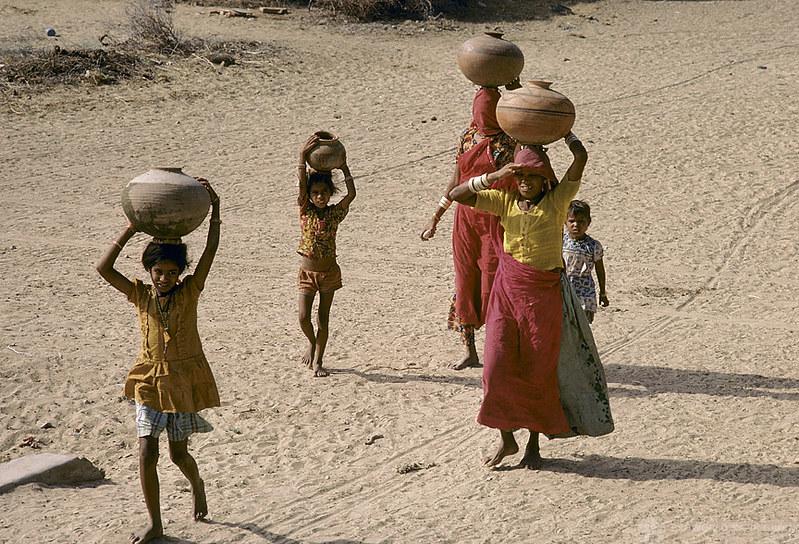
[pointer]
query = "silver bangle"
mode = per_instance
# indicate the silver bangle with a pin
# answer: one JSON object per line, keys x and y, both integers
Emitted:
{"x": 571, "y": 137}
{"x": 444, "y": 203}
{"x": 479, "y": 183}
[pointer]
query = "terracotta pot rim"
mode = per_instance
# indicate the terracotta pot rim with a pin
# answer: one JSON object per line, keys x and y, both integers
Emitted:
{"x": 325, "y": 136}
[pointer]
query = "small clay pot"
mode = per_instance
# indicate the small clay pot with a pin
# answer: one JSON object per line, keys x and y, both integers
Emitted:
{"x": 490, "y": 61}
{"x": 165, "y": 203}
{"x": 535, "y": 114}
{"x": 328, "y": 154}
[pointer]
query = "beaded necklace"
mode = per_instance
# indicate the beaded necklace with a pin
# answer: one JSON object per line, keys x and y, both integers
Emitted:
{"x": 163, "y": 314}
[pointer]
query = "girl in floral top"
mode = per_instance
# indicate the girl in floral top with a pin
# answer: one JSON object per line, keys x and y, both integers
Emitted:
{"x": 319, "y": 270}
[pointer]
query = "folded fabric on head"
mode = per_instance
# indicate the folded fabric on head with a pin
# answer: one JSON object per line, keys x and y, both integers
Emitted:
{"x": 484, "y": 111}
{"x": 536, "y": 160}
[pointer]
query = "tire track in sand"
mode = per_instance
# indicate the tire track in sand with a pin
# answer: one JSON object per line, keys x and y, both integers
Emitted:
{"x": 751, "y": 222}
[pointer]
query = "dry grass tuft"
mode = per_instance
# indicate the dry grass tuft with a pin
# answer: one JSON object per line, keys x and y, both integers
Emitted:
{"x": 60, "y": 66}
{"x": 152, "y": 28}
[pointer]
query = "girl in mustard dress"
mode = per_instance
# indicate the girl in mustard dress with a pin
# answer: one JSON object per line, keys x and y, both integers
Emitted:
{"x": 171, "y": 380}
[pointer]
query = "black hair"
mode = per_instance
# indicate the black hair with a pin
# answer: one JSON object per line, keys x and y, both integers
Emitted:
{"x": 156, "y": 252}
{"x": 320, "y": 177}
{"x": 579, "y": 207}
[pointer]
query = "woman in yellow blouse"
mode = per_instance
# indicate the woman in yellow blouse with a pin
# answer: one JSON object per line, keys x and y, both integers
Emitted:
{"x": 525, "y": 315}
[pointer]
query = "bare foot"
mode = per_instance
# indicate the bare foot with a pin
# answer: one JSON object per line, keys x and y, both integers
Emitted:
{"x": 508, "y": 446}
{"x": 319, "y": 372}
{"x": 147, "y": 534}
{"x": 307, "y": 359}
{"x": 200, "y": 503}
{"x": 532, "y": 461}
{"x": 470, "y": 360}
{"x": 532, "y": 454}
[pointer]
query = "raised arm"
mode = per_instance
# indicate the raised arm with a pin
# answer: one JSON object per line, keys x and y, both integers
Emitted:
{"x": 212, "y": 242}
{"x": 575, "y": 171}
{"x": 302, "y": 169}
{"x": 466, "y": 192}
{"x": 443, "y": 205}
{"x": 599, "y": 266}
{"x": 105, "y": 266}
{"x": 350, "y": 196}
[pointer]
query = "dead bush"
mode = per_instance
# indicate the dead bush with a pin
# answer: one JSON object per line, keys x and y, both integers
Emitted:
{"x": 377, "y": 9}
{"x": 58, "y": 66}
{"x": 151, "y": 27}
{"x": 367, "y": 10}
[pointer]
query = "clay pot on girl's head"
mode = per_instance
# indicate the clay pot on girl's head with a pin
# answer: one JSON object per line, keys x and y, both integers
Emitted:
{"x": 535, "y": 114}
{"x": 490, "y": 61}
{"x": 165, "y": 203}
{"x": 329, "y": 153}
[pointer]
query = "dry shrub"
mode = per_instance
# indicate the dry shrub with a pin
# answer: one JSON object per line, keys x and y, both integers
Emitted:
{"x": 232, "y": 3}
{"x": 367, "y": 10}
{"x": 377, "y": 9}
{"x": 151, "y": 26}
{"x": 57, "y": 65}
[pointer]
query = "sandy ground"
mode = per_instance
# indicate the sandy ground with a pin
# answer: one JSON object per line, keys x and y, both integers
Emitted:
{"x": 689, "y": 115}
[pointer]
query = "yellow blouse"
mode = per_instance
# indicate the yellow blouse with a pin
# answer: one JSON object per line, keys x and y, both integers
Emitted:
{"x": 171, "y": 373}
{"x": 534, "y": 237}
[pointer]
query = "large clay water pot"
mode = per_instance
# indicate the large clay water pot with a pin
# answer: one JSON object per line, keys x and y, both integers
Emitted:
{"x": 328, "y": 154}
{"x": 535, "y": 114}
{"x": 165, "y": 203}
{"x": 490, "y": 61}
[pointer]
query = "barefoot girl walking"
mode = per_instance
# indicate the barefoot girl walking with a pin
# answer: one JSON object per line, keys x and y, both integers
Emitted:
{"x": 171, "y": 380}
{"x": 319, "y": 270}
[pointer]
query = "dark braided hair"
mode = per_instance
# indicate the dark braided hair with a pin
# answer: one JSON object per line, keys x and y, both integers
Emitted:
{"x": 156, "y": 252}
{"x": 320, "y": 177}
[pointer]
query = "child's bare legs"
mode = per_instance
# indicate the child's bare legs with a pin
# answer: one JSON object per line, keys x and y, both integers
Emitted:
{"x": 470, "y": 358}
{"x": 323, "y": 322}
{"x": 305, "y": 307}
{"x": 179, "y": 453}
{"x": 148, "y": 474}
{"x": 532, "y": 455}
{"x": 507, "y": 446}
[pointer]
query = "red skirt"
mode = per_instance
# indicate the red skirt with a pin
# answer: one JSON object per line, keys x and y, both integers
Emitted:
{"x": 522, "y": 346}
{"x": 476, "y": 241}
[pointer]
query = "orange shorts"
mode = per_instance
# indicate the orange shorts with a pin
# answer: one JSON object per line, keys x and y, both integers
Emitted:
{"x": 324, "y": 282}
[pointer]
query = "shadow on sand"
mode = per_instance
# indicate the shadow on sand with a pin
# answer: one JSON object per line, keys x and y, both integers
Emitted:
{"x": 500, "y": 11}
{"x": 376, "y": 377}
{"x": 275, "y": 538}
{"x": 649, "y": 380}
{"x": 644, "y": 470}
{"x": 655, "y": 380}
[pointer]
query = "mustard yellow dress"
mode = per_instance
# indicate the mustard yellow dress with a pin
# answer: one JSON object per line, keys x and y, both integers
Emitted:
{"x": 171, "y": 373}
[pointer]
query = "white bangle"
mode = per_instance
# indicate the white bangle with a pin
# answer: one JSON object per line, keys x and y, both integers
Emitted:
{"x": 571, "y": 137}
{"x": 479, "y": 183}
{"x": 444, "y": 203}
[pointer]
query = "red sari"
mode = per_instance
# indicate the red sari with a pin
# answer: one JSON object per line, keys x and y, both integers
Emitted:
{"x": 522, "y": 346}
{"x": 475, "y": 233}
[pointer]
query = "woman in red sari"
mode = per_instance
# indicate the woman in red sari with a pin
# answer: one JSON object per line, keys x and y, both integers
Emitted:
{"x": 527, "y": 308}
{"x": 483, "y": 148}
